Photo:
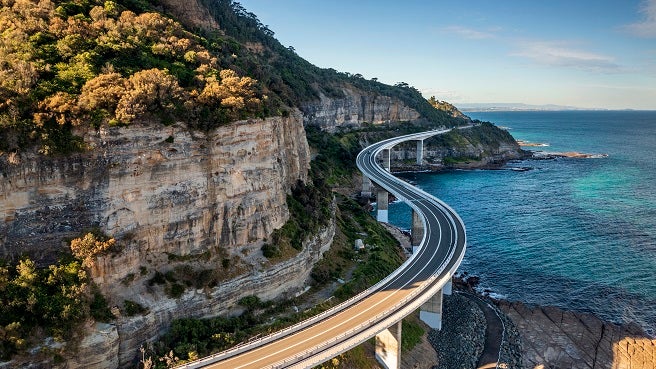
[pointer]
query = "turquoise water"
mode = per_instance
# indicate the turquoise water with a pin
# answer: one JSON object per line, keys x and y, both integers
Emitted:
{"x": 574, "y": 233}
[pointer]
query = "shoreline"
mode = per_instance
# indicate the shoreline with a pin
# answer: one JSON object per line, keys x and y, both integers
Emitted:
{"x": 534, "y": 336}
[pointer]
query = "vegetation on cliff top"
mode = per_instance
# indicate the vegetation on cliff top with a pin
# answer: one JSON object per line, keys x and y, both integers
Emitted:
{"x": 88, "y": 63}
{"x": 293, "y": 79}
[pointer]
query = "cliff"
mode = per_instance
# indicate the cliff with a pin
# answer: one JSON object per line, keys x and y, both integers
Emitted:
{"x": 355, "y": 108}
{"x": 282, "y": 280}
{"x": 156, "y": 190}
{"x": 177, "y": 201}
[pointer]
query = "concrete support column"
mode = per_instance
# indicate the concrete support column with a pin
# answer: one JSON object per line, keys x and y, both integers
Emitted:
{"x": 386, "y": 159}
{"x": 366, "y": 186}
{"x": 448, "y": 288}
{"x": 417, "y": 232}
{"x": 388, "y": 347}
{"x": 431, "y": 311}
{"x": 420, "y": 152}
{"x": 382, "y": 200}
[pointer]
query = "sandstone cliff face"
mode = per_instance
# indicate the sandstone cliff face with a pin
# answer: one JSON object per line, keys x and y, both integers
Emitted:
{"x": 355, "y": 108}
{"x": 156, "y": 190}
{"x": 191, "y": 13}
{"x": 166, "y": 194}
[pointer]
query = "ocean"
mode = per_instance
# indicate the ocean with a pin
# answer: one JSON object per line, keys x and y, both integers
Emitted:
{"x": 577, "y": 233}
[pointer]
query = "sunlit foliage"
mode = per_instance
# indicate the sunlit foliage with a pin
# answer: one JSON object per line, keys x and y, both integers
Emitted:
{"x": 76, "y": 63}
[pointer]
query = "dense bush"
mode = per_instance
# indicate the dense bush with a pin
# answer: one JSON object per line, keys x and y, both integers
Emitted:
{"x": 55, "y": 300}
{"x": 309, "y": 210}
{"x": 70, "y": 63}
{"x": 94, "y": 62}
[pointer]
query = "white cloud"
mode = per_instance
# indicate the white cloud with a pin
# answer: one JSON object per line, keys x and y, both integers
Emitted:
{"x": 646, "y": 27}
{"x": 469, "y": 33}
{"x": 560, "y": 54}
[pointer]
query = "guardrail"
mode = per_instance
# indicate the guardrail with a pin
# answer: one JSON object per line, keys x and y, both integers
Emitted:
{"x": 374, "y": 325}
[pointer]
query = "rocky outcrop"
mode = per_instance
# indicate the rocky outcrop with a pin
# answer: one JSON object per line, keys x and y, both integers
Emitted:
{"x": 355, "y": 108}
{"x": 464, "y": 151}
{"x": 282, "y": 280}
{"x": 98, "y": 349}
{"x": 192, "y": 13}
{"x": 554, "y": 338}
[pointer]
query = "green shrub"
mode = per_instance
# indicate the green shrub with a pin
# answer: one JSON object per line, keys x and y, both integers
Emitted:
{"x": 175, "y": 290}
{"x": 133, "y": 308}
{"x": 99, "y": 309}
{"x": 158, "y": 279}
{"x": 55, "y": 300}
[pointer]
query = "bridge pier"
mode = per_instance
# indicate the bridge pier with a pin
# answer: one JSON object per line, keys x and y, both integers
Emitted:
{"x": 388, "y": 347}
{"x": 382, "y": 200}
{"x": 382, "y": 196}
{"x": 420, "y": 152}
{"x": 431, "y": 311}
{"x": 366, "y": 186}
{"x": 448, "y": 288}
{"x": 386, "y": 159}
{"x": 417, "y": 231}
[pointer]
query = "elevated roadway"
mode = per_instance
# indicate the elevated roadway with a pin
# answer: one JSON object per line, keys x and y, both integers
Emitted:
{"x": 347, "y": 325}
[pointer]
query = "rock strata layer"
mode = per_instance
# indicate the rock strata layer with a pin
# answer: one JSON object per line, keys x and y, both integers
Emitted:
{"x": 158, "y": 190}
{"x": 282, "y": 280}
{"x": 172, "y": 198}
{"x": 355, "y": 108}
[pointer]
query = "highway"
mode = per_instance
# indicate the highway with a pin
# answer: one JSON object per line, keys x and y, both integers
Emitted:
{"x": 347, "y": 325}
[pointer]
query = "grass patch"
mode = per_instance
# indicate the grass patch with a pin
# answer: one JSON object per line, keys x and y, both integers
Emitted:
{"x": 412, "y": 332}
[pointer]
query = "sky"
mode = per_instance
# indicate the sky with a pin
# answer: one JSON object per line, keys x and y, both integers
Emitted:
{"x": 588, "y": 54}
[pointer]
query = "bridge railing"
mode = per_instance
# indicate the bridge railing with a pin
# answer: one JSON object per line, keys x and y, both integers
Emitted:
{"x": 412, "y": 301}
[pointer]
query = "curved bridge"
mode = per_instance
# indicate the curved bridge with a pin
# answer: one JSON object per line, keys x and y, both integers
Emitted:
{"x": 364, "y": 316}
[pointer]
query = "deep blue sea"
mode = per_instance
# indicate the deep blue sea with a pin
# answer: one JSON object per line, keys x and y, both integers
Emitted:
{"x": 575, "y": 233}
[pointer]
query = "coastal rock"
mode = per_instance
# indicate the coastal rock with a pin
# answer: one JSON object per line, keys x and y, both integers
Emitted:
{"x": 542, "y": 155}
{"x": 466, "y": 151}
{"x": 554, "y": 338}
{"x": 355, "y": 108}
{"x": 460, "y": 342}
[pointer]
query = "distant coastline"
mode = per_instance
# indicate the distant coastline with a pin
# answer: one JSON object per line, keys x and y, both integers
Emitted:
{"x": 502, "y": 107}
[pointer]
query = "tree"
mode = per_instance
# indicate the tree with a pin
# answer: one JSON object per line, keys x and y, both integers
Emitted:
{"x": 103, "y": 92}
{"x": 88, "y": 247}
{"x": 151, "y": 90}
{"x": 61, "y": 107}
{"x": 230, "y": 91}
